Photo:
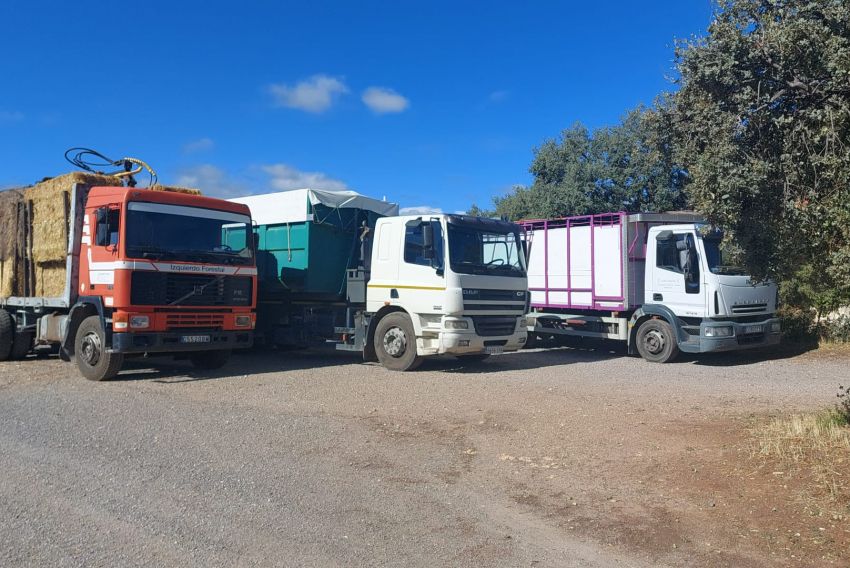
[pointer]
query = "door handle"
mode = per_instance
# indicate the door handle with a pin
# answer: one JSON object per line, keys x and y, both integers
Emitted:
{"x": 657, "y": 298}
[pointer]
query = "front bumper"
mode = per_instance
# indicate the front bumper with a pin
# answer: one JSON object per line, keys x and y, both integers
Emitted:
{"x": 459, "y": 343}
{"x": 170, "y": 342}
{"x": 738, "y": 341}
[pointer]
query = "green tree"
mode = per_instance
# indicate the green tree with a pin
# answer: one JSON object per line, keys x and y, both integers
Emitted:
{"x": 762, "y": 126}
{"x": 624, "y": 167}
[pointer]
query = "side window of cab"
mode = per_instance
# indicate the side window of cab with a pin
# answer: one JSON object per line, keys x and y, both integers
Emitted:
{"x": 107, "y": 226}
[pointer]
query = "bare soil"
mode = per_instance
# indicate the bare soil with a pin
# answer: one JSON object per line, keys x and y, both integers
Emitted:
{"x": 561, "y": 457}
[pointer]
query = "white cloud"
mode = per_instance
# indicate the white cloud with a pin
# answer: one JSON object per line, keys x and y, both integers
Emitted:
{"x": 7, "y": 116}
{"x": 215, "y": 181}
{"x": 498, "y": 96}
{"x": 283, "y": 177}
{"x": 382, "y": 100}
{"x": 315, "y": 94}
{"x": 211, "y": 180}
{"x": 199, "y": 145}
{"x": 420, "y": 210}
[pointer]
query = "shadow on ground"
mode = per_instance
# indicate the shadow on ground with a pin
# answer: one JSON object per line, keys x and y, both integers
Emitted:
{"x": 166, "y": 369}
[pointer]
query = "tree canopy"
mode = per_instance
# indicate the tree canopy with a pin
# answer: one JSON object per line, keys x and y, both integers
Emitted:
{"x": 762, "y": 126}
{"x": 627, "y": 167}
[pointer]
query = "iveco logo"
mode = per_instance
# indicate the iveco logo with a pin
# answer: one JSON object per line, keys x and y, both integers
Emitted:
{"x": 755, "y": 301}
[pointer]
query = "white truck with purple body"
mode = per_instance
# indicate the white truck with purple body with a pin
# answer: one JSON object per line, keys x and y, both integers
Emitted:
{"x": 654, "y": 280}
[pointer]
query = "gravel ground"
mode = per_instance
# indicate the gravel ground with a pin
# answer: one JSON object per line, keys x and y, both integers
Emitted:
{"x": 562, "y": 457}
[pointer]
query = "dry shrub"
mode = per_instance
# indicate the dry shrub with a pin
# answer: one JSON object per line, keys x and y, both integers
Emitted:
{"x": 816, "y": 443}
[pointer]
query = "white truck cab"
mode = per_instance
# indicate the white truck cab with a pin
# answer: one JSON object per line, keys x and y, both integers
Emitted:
{"x": 721, "y": 306}
{"x": 450, "y": 284}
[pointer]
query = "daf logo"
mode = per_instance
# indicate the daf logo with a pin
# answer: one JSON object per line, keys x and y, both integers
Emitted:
{"x": 469, "y": 292}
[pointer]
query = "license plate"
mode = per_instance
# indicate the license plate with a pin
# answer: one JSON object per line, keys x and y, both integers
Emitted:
{"x": 494, "y": 349}
{"x": 753, "y": 329}
{"x": 194, "y": 339}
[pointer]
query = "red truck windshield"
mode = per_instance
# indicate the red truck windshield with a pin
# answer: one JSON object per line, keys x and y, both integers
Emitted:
{"x": 176, "y": 232}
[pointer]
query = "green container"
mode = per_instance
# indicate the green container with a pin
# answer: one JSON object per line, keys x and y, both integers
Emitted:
{"x": 308, "y": 260}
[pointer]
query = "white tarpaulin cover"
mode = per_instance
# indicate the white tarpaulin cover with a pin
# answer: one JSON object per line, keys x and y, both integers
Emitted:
{"x": 291, "y": 206}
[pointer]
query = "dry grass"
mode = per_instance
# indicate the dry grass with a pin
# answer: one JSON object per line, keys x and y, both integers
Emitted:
{"x": 816, "y": 445}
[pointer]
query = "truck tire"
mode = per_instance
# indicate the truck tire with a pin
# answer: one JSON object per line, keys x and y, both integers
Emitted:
{"x": 93, "y": 360}
{"x": 21, "y": 346}
{"x": 7, "y": 334}
{"x": 209, "y": 360}
{"x": 656, "y": 341}
{"x": 395, "y": 343}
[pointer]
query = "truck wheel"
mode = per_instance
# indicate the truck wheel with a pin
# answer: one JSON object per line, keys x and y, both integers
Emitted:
{"x": 209, "y": 360}
{"x": 7, "y": 334}
{"x": 395, "y": 343}
{"x": 93, "y": 360}
{"x": 21, "y": 346}
{"x": 656, "y": 341}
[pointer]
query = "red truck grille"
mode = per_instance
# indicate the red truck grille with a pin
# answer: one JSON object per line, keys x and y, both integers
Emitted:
{"x": 177, "y": 321}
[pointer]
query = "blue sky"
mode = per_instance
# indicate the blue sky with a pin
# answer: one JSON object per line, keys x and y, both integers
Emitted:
{"x": 431, "y": 104}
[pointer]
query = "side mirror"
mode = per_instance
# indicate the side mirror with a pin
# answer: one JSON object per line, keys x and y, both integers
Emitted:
{"x": 101, "y": 236}
{"x": 664, "y": 236}
{"x": 427, "y": 240}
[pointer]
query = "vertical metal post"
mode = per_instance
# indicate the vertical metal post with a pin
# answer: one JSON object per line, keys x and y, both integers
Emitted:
{"x": 592, "y": 266}
{"x": 546, "y": 260}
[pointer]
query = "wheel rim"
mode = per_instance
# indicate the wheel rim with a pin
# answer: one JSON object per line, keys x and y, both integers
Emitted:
{"x": 91, "y": 349}
{"x": 395, "y": 342}
{"x": 654, "y": 341}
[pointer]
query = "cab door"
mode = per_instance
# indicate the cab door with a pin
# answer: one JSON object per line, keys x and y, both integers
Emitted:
{"x": 103, "y": 250}
{"x": 676, "y": 276}
{"x": 421, "y": 282}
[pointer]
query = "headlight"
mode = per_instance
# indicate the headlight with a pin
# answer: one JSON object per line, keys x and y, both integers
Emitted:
{"x": 139, "y": 322}
{"x": 456, "y": 324}
{"x": 718, "y": 331}
{"x": 523, "y": 323}
{"x": 775, "y": 327}
{"x": 243, "y": 321}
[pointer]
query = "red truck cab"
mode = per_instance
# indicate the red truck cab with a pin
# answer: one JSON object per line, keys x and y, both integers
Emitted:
{"x": 159, "y": 272}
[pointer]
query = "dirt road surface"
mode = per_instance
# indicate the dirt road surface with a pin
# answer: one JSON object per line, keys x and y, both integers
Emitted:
{"x": 563, "y": 457}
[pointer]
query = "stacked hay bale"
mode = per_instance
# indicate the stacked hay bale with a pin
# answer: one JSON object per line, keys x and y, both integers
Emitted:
{"x": 50, "y": 202}
{"x": 11, "y": 241}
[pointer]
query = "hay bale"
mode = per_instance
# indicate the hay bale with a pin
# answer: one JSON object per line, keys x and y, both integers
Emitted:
{"x": 9, "y": 223}
{"x": 50, "y": 203}
{"x": 50, "y": 279}
{"x": 7, "y": 278}
{"x": 175, "y": 188}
